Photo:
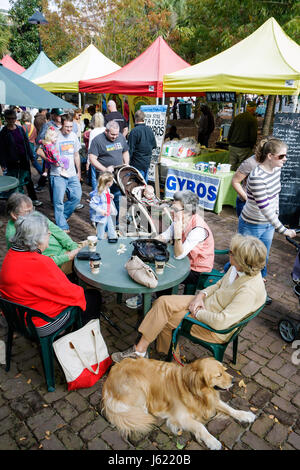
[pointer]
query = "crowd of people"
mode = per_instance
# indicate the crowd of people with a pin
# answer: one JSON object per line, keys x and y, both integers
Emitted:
{"x": 45, "y": 251}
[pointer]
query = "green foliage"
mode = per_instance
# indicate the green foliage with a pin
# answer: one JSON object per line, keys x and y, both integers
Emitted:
{"x": 211, "y": 26}
{"x": 4, "y": 35}
{"x": 24, "y": 43}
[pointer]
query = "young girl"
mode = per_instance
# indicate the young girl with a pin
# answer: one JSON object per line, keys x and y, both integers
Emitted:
{"x": 102, "y": 207}
{"x": 51, "y": 152}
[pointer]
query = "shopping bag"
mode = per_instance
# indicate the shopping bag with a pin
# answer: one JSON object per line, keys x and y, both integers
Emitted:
{"x": 83, "y": 355}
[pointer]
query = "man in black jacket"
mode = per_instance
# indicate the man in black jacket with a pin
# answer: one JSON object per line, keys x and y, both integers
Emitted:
{"x": 141, "y": 142}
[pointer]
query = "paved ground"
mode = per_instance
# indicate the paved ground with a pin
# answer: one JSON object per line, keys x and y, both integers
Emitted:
{"x": 267, "y": 382}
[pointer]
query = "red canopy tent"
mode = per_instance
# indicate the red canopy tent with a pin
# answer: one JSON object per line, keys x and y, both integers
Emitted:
{"x": 142, "y": 76}
{"x": 12, "y": 65}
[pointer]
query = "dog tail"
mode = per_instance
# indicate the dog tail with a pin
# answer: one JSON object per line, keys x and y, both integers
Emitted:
{"x": 128, "y": 420}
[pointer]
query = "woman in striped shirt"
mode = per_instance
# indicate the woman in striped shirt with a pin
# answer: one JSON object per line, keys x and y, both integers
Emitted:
{"x": 260, "y": 213}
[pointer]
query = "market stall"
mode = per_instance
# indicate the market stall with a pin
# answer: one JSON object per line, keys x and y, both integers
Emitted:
{"x": 8, "y": 62}
{"x": 186, "y": 165}
{"x": 41, "y": 66}
{"x": 89, "y": 63}
{"x": 266, "y": 62}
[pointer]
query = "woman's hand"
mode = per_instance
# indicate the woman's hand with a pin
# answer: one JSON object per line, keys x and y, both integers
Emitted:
{"x": 290, "y": 233}
{"x": 71, "y": 254}
{"x": 197, "y": 303}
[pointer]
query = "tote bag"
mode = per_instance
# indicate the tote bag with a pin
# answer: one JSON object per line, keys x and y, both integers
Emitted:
{"x": 83, "y": 356}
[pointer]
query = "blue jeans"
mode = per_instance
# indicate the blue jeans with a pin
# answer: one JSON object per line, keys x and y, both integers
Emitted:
{"x": 72, "y": 187}
{"x": 106, "y": 224}
{"x": 263, "y": 232}
{"x": 144, "y": 174}
{"x": 239, "y": 206}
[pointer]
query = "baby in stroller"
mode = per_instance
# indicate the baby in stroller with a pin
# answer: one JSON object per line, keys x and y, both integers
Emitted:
{"x": 140, "y": 201}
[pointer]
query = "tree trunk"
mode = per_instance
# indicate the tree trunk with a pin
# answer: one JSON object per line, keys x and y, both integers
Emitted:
{"x": 268, "y": 115}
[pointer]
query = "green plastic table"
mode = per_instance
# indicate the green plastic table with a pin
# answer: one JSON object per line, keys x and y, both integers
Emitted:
{"x": 113, "y": 276}
{"x": 7, "y": 183}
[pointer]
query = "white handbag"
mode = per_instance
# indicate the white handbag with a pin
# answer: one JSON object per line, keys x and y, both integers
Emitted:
{"x": 83, "y": 355}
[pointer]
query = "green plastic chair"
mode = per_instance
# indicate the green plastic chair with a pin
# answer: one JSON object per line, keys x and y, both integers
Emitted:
{"x": 21, "y": 323}
{"x": 218, "y": 350}
{"x": 206, "y": 279}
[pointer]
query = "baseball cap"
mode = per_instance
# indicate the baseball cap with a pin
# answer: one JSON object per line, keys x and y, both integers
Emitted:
{"x": 57, "y": 111}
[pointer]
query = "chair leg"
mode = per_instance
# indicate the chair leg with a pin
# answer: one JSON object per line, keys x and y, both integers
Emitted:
{"x": 219, "y": 354}
{"x": 47, "y": 355}
{"x": 8, "y": 349}
{"x": 234, "y": 349}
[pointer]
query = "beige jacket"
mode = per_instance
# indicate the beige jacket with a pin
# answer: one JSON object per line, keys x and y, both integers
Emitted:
{"x": 227, "y": 304}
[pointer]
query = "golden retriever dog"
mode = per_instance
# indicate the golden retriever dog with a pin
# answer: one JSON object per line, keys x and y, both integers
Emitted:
{"x": 139, "y": 390}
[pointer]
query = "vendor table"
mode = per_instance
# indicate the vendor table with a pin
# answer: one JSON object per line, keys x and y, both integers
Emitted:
{"x": 214, "y": 190}
{"x": 113, "y": 276}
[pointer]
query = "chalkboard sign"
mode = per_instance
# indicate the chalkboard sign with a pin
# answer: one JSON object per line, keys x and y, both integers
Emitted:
{"x": 287, "y": 128}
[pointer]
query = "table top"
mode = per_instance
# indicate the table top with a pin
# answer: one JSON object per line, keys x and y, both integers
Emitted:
{"x": 8, "y": 182}
{"x": 113, "y": 275}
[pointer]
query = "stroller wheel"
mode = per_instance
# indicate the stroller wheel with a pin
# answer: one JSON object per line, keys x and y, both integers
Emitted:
{"x": 288, "y": 330}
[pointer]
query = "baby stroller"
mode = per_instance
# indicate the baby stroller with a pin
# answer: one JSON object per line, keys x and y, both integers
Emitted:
{"x": 289, "y": 328}
{"x": 138, "y": 218}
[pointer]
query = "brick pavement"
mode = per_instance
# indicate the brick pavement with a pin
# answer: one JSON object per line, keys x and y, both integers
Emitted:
{"x": 267, "y": 381}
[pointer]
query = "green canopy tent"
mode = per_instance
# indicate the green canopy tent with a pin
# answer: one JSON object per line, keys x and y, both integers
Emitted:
{"x": 18, "y": 91}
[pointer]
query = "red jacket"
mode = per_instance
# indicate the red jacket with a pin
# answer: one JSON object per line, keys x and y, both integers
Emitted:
{"x": 34, "y": 280}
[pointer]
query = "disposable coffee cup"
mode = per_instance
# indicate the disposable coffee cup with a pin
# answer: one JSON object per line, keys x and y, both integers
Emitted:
{"x": 92, "y": 242}
{"x": 160, "y": 263}
{"x": 95, "y": 259}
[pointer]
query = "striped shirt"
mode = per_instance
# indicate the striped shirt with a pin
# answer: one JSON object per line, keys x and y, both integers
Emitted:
{"x": 262, "y": 205}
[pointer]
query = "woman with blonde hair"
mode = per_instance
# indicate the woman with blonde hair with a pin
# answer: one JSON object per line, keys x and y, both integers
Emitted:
{"x": 239, "y": 293}
{"x": 102, "y": 206}
{"x": 259, "y": 216}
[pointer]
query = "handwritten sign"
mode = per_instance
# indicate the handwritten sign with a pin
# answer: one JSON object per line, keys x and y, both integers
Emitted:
{"x": 205, "y": 186}
{"x": 155, "y": 117}
{"x": 287, "y": 128}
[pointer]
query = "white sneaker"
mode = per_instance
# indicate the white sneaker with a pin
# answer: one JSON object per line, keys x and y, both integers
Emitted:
{"x": 134, "y": 302}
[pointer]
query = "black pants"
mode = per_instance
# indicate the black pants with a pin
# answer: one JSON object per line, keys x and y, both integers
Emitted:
{"x": 93, "y": 305}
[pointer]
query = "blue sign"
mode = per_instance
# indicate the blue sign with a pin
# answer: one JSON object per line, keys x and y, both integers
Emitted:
{"x": 205, "y": 186}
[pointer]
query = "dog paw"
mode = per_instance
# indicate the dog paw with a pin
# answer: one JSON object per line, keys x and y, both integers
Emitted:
{"x": 212, "y": 443}
{"x": 246, "y": 416}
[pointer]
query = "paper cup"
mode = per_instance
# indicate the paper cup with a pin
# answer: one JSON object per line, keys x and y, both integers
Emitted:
{"x": 92, "y": 242}
{"x": 95, "y": 259}
{"x": 160, "y": 263}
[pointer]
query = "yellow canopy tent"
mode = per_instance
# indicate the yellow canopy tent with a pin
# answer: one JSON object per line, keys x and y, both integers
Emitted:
{"x": 90, "y": 63}
{"x": 266, "y": 62}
